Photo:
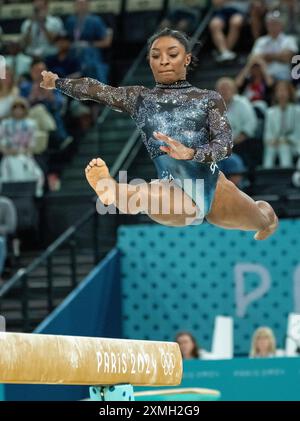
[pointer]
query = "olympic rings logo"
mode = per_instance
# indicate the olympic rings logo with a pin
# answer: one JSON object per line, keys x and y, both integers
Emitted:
{"x": 167, "y": 360}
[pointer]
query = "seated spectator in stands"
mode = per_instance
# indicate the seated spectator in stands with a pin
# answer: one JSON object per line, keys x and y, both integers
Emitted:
{"x": 184, "y": 17}
{"x": 17, "y": 138}
{"x": 254, "y": 82}
{"x": 257, "y": 13}
{"x": 234, "y": 169}
{"x": 52, "y": 100}
{"x": 54, "y": 103}
{"x": 90, "y": 35}
{"x": 8, "y": 226}
{"x": 64, "y": 63}
{"x": 39, "y": 32}
{"x": 45, "y": 124}
{"x": 8, "y": 92}
{"x": 231, "y": 14}
{"x": 18, "y": 62}
{"x": 242, "y": 119}
{"x": 282, "y": 128}
{"x": 188, "y": 345}
{"x": 263, "y": 343}
{"x": 276, "y": 48}
{"x": 289, "y": 9}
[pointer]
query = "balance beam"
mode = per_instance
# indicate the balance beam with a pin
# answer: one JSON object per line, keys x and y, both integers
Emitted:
{"x": 50, "y": 359}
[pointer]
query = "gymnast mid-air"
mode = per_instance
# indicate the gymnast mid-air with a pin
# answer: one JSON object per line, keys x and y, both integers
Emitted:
{"x": 186, "y": 132}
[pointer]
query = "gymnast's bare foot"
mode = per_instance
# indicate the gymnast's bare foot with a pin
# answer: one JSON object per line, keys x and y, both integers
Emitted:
{"x": 100, "y": 180}
{"x": 267, "y": 210}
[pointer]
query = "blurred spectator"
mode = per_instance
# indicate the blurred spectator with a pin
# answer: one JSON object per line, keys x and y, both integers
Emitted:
{"x": 282, "y": 128}
{"x": 263, "y": 343}
{"x": 254, "y": 82}
{"x": 188, "y": 345}
{"x": 89, "y": 34}
{"x": 276, "y": 48}
{"x": 257, "y": 12}
{"x": 63, "y": 63}
{"x": 45, "y": 124}
{"x": 39, "y": 32}
{"x": 18, "y": 62}
{"x": 242, "y": 119}
{"x": 51, "y": 99}
{"x": 234, "y": 169}
{"x": 226, "y": 13}
{"x": 8, "y": 226}
{"x": 8, "y": 92}
{"x": 17, "y": 138}
{"x": 290, "y": 10}
{"x": 184, "y": 17}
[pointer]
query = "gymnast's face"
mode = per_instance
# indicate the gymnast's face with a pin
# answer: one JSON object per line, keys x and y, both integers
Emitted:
{"x": 168, "y": 60}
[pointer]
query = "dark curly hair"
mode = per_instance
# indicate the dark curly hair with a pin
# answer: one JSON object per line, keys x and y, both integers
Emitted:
{"x": 183, "y": 38}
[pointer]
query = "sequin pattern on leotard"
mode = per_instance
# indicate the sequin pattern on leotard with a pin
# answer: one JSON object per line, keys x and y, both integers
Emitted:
{"x": 196, "y": 117}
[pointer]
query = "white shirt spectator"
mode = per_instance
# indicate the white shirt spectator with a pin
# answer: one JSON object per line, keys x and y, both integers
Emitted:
{"x": 17, "y": 139}
{"x": 266, "y": 44}
{"x": 6, "y": 103}
{"x": 18, "y": 134}
{"x": 241, "y": 116}
{"x": 282, "y": 125}
{"x": 289, "y": 130}
{"x": 40, "y": 45}
{"x": 20, "y": 64}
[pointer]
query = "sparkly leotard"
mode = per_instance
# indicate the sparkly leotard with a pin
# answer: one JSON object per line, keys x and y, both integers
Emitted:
{"x": 195, "y": 117}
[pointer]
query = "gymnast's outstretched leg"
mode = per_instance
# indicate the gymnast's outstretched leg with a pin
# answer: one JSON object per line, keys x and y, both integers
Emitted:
{"x": 233, "y": 209}
{"x": 157, "y": 196}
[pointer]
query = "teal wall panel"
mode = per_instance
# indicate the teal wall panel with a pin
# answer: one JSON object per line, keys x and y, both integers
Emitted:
{"x": 243, "y": 379}
{"x": 181, "y": 278}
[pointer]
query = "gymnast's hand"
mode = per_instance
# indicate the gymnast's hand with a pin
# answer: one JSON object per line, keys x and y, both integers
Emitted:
{"x": 49, "y": 79}
{"x": 175, "y": 149}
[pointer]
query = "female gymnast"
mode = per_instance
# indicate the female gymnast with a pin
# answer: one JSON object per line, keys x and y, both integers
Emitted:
{"x": 186, "y": 132}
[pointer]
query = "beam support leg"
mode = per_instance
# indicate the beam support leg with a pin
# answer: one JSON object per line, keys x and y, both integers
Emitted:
{"x": 121, "y": 392}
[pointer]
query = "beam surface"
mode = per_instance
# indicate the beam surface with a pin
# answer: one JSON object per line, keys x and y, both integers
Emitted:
{"x": 50, "y": 359}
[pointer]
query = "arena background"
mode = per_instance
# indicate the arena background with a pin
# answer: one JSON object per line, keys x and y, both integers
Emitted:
{"x": 123, "y": 276}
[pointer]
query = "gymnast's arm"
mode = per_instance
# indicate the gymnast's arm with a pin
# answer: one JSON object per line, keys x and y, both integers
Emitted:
{"x": 121, "y": 98}
{"x": 221, "y": 143}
